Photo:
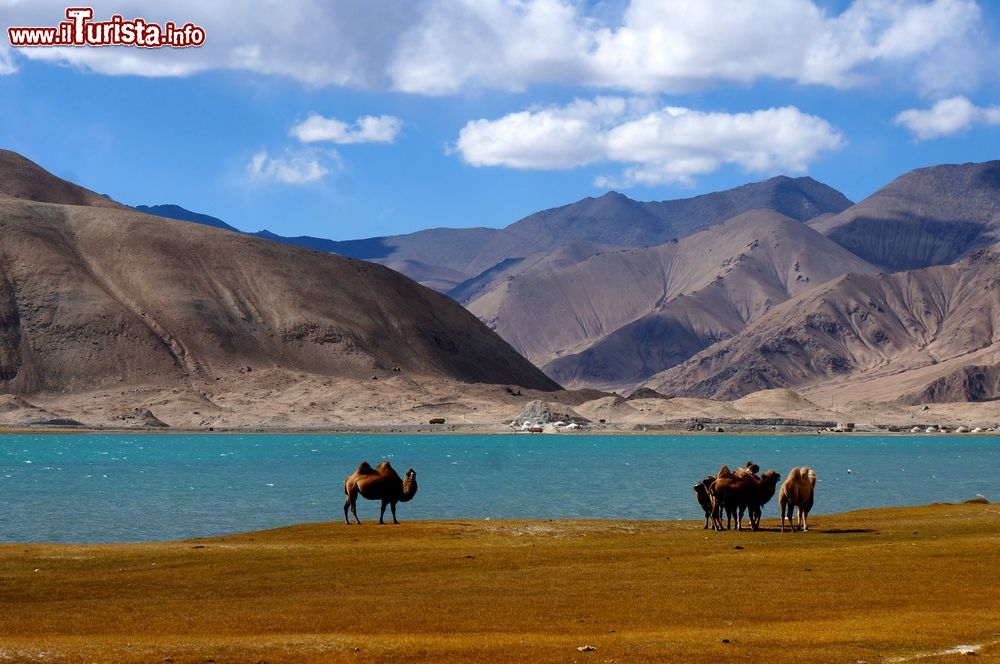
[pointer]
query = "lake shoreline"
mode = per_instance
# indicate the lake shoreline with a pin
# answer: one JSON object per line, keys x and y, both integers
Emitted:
{"x": 484, "y": 429}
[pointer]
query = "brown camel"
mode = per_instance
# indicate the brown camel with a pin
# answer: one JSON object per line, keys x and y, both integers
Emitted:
{"x": 702, "y": 492}
{"x": 723, "y": 493}
{"x": 380, "y": 483}
{"x": 797, "y": 491}
{"x": 739, "y": 491}
{"x": 715, "y": 505}
{"x": 765, "y": 491}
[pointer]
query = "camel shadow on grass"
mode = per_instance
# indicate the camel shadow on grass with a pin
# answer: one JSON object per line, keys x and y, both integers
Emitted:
{"x": 818, "y": 531}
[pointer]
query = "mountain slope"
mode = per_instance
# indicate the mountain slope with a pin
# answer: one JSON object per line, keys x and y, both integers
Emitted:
{"x": 99, "y": 296}
{"x": 23, "y": 179}
{"x": 618, "y": 317}
{"x": 930, "y": 216}
{"x": 169, "y": 298}
{"x": 862, "y": 336}
{"x": 615, "y": 221}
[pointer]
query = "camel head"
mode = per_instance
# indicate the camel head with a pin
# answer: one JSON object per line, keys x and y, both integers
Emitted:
{"x": 409, "y": 485}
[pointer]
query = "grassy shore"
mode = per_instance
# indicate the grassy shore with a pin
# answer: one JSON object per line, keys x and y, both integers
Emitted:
{"x": 872, "y": 585}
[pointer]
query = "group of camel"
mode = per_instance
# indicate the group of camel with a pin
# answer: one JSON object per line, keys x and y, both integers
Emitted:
{"x": 744, "y": 491}
{"x": 736, "y": 493}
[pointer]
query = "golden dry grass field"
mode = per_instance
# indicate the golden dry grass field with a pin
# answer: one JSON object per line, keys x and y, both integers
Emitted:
{"x": 874, "y": 586}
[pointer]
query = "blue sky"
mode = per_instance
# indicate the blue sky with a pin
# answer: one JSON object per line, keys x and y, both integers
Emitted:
{"x": 352, "y": 119}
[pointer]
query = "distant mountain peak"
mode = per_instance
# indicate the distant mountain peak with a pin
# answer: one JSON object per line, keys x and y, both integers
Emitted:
{"x": 929, "y": 216}
{"x": 171, "y": 211}
{"x": 612, "y": 194}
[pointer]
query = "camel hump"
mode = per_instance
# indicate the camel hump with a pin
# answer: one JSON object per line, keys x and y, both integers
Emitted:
{"x": 365, "y": 469}
{"x": 385, "y": 465}
{"x": 724, "y": 471}
{"x": 794, "y": 473}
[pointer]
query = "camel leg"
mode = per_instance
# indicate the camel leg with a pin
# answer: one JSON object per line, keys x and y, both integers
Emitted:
{"x": 781, "y": 510}
{"x": 805, "y": 521}
{"x": 393, "y": 506}
{"x": 381, "y": 517}
{"x": 350, "y": 503}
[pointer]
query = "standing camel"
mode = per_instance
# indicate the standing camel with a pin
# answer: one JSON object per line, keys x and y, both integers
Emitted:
{"x": 702, "y": 492}
{"x": 380, "y": 483}
{"x": 797, "y": 491}
{"x": 764, "y": 493}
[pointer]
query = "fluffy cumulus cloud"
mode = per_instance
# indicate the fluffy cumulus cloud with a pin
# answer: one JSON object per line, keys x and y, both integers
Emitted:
{"x": 543, "y": 138}
{"x": 294, "y": 168}
{"x": 654, "y": 145}
{"x": 947, "y": 117}
{"x": 443, "y": 46}
{"x": 367, "y": 129}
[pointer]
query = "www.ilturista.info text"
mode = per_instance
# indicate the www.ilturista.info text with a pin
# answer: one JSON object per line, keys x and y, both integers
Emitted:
{"x": 80, "y": 30}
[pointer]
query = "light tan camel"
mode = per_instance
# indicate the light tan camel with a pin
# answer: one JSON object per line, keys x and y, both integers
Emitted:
{"x": 380, "y": 483}
{"x": 797, "y": 491}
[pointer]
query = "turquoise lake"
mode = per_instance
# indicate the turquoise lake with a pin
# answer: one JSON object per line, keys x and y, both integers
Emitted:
{"x": 141, "y": 487}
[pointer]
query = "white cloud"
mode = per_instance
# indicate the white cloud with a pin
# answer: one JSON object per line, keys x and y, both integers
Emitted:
{"x": 293, "y": 168}
{"x": 680, "y": 45}
{"x": 7, "y": 64}
{"x": 675, "y": 144}
{"x": 653, "y": 46}
{"x": 947, "y": 117}
{"x": 544, "y": 138}
{"x": 367, "y": 129}
{"x": 491, "y": 43}
{"x": 660, "y": 146}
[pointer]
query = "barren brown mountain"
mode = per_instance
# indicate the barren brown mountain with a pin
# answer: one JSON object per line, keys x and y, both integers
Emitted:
{"x": 467, "y": 261}
{"x": 861, "y": 337}
{"x": 93, "y": 297}
{"x": 617, "y": 318}
{"x": 930, "y": 216}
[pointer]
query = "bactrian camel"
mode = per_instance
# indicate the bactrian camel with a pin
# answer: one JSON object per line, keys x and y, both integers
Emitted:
{"x": 379, "y": 483}
{"x": 701, "y": 492}
{"x": 797, "y": 491}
